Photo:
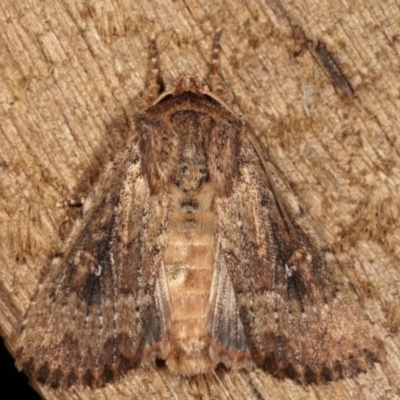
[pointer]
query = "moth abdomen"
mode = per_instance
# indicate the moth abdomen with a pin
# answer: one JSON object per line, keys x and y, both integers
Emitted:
{"x": 189, "y": 258}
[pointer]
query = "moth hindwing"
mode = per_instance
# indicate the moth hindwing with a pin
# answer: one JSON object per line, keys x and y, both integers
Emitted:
{"x": 187, "y": 253}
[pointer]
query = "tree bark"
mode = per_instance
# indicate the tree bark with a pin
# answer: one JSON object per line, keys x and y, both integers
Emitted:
{"x": 316, "y": 81}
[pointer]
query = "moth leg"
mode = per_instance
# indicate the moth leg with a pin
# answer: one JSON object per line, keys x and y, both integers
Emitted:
{"x": 155, "y": 85}
{"x": 72, "y": 202}
{"x": 216, "y": 80}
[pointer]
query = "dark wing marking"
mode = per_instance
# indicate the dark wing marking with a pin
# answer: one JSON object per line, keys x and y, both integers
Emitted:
{"x": 93, "y": 312}
{"x": 295, "y": 322}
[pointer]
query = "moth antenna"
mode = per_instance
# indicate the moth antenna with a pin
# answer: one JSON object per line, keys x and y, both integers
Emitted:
{"x": 155, "y": 83}
{"x": 217, "y": 83}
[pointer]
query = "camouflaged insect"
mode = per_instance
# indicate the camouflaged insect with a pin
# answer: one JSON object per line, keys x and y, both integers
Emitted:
{"x": 187, "y": 253}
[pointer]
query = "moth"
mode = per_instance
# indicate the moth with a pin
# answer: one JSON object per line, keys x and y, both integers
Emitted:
{"x": 186, "y": 252}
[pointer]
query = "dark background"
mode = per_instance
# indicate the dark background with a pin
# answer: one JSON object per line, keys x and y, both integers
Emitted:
{"x": 14, "y": 384}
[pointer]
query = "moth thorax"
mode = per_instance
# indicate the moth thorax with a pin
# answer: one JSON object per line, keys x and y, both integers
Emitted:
{"x": 193, "y": 129}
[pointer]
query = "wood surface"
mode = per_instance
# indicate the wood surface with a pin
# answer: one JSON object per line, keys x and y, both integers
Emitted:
{"x": 316, "y": 81}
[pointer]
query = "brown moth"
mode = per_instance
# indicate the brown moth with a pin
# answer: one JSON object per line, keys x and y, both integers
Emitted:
{"x": 186, "y": 253}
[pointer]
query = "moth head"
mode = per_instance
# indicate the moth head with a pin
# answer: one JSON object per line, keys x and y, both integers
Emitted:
{"x": 187, "y": 83}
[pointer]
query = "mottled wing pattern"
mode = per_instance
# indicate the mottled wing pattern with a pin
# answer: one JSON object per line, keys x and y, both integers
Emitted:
{"x": 292, "y": 319}
{"x": 105, "y": 305}
{"x": 94, "y": 312}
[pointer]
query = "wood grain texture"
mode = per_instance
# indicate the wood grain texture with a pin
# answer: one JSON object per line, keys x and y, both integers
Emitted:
{"x": 72, "y": 75}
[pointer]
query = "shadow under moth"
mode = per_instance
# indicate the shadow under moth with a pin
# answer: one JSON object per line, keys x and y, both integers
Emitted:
{"x": 186, "y": 252}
